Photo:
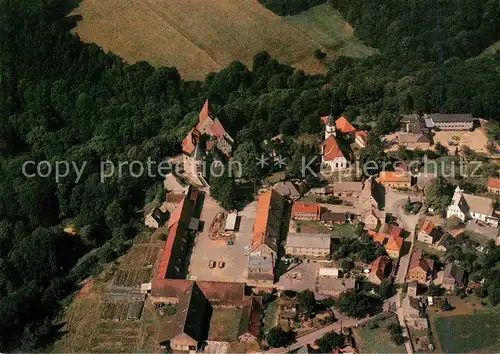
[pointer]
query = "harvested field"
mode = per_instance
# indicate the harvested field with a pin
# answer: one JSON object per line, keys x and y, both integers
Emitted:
{"x": 132, "y": 277}
{"x": 197, "y": 37}
{"x": 140, "y": 256}
{"x": 115, "y": 311}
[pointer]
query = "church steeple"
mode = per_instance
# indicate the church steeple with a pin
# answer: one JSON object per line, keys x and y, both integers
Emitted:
{"x": 330, "y": 127}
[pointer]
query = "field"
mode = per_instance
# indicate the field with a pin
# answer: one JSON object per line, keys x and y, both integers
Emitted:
{"x": 327, "y": 27}
{"x": 475, "y": 332}
{"x": 198, "y": 37}
{"x": 376, "y": 339}
{"x": 475, "y": 140}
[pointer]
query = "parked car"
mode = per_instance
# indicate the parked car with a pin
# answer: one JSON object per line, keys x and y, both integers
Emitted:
{"x": 221, "y": 264}
{"x": 230, "y": 243}
{"x": 211, "y": 264}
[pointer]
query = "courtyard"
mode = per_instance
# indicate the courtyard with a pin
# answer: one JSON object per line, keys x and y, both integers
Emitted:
{"x": 234, "y": 256}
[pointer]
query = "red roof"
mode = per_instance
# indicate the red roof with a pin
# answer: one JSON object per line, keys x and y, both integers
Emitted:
{"x": 343, "y": 126}
{"x": 376, "y": 236}
{"x": 306, "y": 208}
{"x": 213, "y": 291}
{"x": 494, "y": 182}
{"x": 203, "y": 112}
{"x": 167, "y": 252}
{"x": 418, "y": 261}
{"x": 394, "y": 243}
{"x": 393, "y": 230}
{"x": 188, "y": 143}
{"x": 331, "y": 149}
{"x": 324, "y": 119}
{"x": 260, "y": 224}
{"x": 217, "y": 129}
{"x": 394, "y": 176}
{"x": 176, "y": 215}
{"x": 427, "y": 227}
{"x": 362, "y": 133}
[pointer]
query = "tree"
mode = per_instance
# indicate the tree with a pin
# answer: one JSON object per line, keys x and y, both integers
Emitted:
{"x": 438, "y": 195}
{"x": 330, "y": 341}
{"x": 372, "y": 157}
{"x": 396, "y": 333}
{"x": 358, "y": 304}
{"x": 277, "y": 337}
{"x": 306, "y": 300}
{"x": 222, "y": 189}
{"x": 453, "y": 222}
{"x": 318, "y": 54}
{"x": 446, "y": 305}
{"x": 385, "y": 289}
{"x": 246, "y": 154}
{"x": 434, "y": 290}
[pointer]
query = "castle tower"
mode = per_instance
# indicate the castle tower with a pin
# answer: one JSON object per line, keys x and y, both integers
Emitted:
{"x": 330, "y": 127}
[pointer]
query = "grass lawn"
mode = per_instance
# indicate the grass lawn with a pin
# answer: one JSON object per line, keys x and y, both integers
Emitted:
{"x": 344, "y": 230}
{"x": 376, "y": 339}
{"x": 224, "y": 324}
{"x": 327, "y": 27}
{"x": 307, "y": 226}
{"x": 475, "y": 332}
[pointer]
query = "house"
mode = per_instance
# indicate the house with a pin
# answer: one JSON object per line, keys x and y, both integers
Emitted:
{"x": 378, "y": 238}
{"x": 414, "y": 133}
{"x": 178, "y": 228}
{"x": 393, "y": 246}
{"x": 361, "y": 138}
{"x": 412, "y": 289}
{"x": 209, "y": 136}
{"x": 287, "y": 190}
{"x": 453, "y": 277}
{"x": 372, "y": 194}
{"x": 420, "y": 268}
{"x": 331, "y": 218}
{"x": 371, "y": 220}
{"x": 267, "y": 225}
{"x": 306, "y": 211}
{"x": 332, "y": 155}
{"x": 449, "y": 121}
{"x": 343, "y": 126}
{"x": 395, "y": 179}
{"x": 429, "y": 233}
{"x": 472, "y": 207}
{"x": 308, "y": 245}
{"x": 414, "y": 141}
{"x": 261, "y": 270}
{"x": 155, "y": 218}
{"x": 391, "y": 230}
{"x": 414, "y": 313}
{"x": 379, "y": 270}
{"x": 413, "y": 124}
{"x": 494, "y": 185}
{"x": 346, "y": 189}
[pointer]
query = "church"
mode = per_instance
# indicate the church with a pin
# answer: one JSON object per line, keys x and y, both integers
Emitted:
{"x": 472, "y": 207}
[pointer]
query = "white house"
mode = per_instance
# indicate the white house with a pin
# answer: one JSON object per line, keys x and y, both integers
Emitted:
{"x": 471, "y": 207}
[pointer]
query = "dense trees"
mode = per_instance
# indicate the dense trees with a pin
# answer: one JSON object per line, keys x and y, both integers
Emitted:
{"x": 359, "y": 304}
{"x": 330, "y": 341}
{"x": 290, "y": 7}
{"x": 276, "y": 337}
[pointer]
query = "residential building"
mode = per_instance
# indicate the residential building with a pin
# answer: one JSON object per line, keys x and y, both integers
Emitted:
{"x": 306, "y": 211}
{"x": 453, "y": 277}
{"x": 395, "y": 179}
{"x": 175, "y": 247}
{"x": 371, "y": 220}
{"x": 261, "y": 270}
{"x": 209, "y": 136}
{"x": 421, "y": 268}
{"x": 331, "y": 218}
{"x": 372, "y": 194}
{"x": 308, "y": 245}
{"x": 415, "y": 313}
{"x": 287, "y": 190}
{"x": 412, "y": 290}
{"x": 332, "y": 155}
{"x": 394, "y": 246}
{"x": 472, "y": 207}
{"x": 379, "y": 269}
{"x": 267, "y": 225}
{"x": 494, "y": 185}
{"x": 413, "y": 124}
{"x": 378, "y": 238}
{"x": 429, "y": 233}
{"x": 361, "y": 138}
{"x": 449, "y": 121}
{"x": 391, "y": 230}
{"x": 155, "y": 218}
{"x": 346, "y": 189}
{"x": 414, "y": 141}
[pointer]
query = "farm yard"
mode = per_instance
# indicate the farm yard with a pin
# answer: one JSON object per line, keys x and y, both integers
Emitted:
{"x": 478, "y": 331}
{"x": 475, "y": 140}
{"x": 177, "y": 33}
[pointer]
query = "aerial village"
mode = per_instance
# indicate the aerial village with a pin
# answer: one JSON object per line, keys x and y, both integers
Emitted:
{"x": 313, "y": 265}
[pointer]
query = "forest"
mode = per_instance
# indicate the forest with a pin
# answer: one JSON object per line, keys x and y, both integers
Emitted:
{"x": 62, "y": 100}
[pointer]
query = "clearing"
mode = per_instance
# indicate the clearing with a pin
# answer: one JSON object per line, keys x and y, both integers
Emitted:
{"x": 478, "y": 331}
{"x": 327, "y": 27}
{"x": 475, "y": 140}
{"x": 198, "y": 37}
{"x": 373, "y": 336}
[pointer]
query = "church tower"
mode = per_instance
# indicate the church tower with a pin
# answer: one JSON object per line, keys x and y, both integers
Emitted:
{"x": 330, "y": 127}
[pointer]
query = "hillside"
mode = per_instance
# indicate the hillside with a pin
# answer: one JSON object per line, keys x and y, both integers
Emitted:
{"x": 198, "y": 37}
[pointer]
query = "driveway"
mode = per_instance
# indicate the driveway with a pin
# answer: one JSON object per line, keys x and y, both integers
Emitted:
{"x": 299, "y": 277}
{"x": 394, "y": 204}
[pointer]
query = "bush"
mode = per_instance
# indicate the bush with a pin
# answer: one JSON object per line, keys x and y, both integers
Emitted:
{"x": 318, "y": 54}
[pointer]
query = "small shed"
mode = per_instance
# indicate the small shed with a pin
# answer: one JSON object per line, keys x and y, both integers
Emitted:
{"x": 146, "y": 288}
{"x": 231, "y": 222}
{"x": 329, "y": 272}
{"x": 194, "y": 224}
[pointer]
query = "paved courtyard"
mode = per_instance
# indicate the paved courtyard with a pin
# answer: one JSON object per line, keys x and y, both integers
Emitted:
{"x": 234, "y": 256}
{"x": 299, "y": 276}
